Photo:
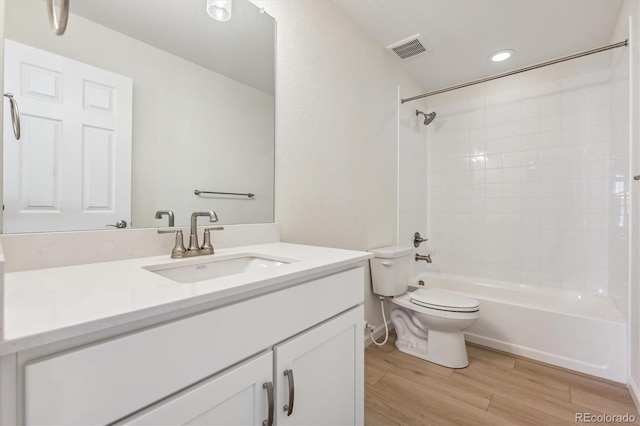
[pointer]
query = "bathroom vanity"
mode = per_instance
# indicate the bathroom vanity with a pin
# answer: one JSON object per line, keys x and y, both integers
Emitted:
{"x": 263, "y": 334}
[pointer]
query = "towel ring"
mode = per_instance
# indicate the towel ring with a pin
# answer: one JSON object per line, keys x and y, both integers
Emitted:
{"x": 59, "y": 24}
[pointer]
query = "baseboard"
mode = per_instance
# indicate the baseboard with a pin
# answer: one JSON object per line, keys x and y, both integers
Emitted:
{"x": 378, "y": 334}
{"x": 634, "y": 391}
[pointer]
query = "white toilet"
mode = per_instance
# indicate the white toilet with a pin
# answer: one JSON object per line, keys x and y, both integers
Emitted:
{"x": 428, "y": 321}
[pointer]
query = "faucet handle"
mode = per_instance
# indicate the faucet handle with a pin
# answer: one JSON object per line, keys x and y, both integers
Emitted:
{"x": 207, "y": 247}
{"x": 178, "y": 249}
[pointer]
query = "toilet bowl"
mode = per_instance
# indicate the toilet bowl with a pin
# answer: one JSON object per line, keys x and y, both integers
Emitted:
{"x": 429, "y": 323}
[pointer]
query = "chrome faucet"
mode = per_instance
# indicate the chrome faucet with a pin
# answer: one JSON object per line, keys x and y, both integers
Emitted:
{"x": 168, "y": 213}
{"x": 194, "y": 248}
{"x": 426, "y": 258}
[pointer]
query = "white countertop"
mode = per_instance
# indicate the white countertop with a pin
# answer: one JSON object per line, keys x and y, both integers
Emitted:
{"x": 49, "y": 305}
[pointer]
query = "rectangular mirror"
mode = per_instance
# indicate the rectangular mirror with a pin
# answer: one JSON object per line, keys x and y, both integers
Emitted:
{"x": 137, "y": 106}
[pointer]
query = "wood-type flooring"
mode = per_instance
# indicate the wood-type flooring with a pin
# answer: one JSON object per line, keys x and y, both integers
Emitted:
{"x": 495, "y": 389}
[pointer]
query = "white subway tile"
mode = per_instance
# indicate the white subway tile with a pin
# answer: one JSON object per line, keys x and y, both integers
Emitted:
{"x": 551, "y": 138}
{"x": 493, "y": 176}
{"x": 511, "y": 190}
{"x": 531, "y": 238}
{"x": 511, "y": 174}
{"x": 493, "y": 220}
{"x": 551, "y": 155}
{"x": 493, "y": 190}
{"x": 549, "y": 123}
{"x": 574, "y": 153}
{"x": 511, "y": 220}
{"x": 461, "y": 150}
{"x": 528, "y": 184}
{"x": 597, "y": 151}
{"x": 573, "y": 136}
{"x": 478, "y": 207}
{"x": 530, "y": 108}
{"x": 530, "y": 174}
{"x": 530, "y": 158}
{"x": 530, "y": 205}
{"x": 477, "y": 191}
{"x": 511, "y": 159}
{"x": 511, "y": 144}
{"x": 530, "y": 141}
{"x": 493, "y": 205}
{"x": 530, "y": 126}
{"x": 510, "y": 129}
{"x": 511, "y": 205}
{"x": 477, "y": 162}
{"x": 476, "y": 136}
{"x": 493, "y": 161}
{"x": 551, "y": 105}
{"x": 476, "y": 177}
{"x": 550, "y": 222}
{"x": 551, "y": 272}
{"x": 574, "y": 119}
{"x": 530, "y": 189}
{"x": 493, "y": 146}
{"x": 477, "y": 118}
{"x": 492, "y": 132}
{"x": 530, "y": 221}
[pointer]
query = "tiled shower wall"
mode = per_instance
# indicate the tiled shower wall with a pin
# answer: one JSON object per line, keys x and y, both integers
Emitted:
{"x": 518, "y": 179}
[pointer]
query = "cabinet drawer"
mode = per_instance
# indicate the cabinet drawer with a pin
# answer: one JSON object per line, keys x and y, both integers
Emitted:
{"x": 104, "y": 382}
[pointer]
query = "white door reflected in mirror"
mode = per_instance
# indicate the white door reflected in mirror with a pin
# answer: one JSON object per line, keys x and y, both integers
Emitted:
{"x": 71, "y": 169}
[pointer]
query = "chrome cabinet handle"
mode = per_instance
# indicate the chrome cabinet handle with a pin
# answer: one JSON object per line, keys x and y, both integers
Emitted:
{"x": 269, "y": 387}
{"x": 289, "y": 407}
{"x": 119, "y": 224}
{"x": 59, "y": 25}
{"x": 15, "y": 115}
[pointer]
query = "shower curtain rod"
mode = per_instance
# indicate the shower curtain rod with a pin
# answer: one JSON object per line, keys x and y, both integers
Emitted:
{"x": 529, "y": 68}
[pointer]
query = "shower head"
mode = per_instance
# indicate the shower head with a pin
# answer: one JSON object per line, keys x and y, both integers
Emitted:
{"x": 428, "y": 118}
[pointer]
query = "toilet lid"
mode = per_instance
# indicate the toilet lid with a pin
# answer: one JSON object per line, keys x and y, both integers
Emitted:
{"x": 444, "y": 300}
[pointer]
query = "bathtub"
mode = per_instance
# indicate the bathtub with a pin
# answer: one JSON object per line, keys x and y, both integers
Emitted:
{"x": 581, "y": 332}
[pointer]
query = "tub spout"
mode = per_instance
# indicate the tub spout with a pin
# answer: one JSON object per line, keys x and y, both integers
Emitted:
{"x": 426, "y": 258}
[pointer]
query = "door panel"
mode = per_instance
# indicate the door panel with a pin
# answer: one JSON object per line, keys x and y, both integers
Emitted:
{"x": 71, "y": 169}
{"x": 326, "y": 364}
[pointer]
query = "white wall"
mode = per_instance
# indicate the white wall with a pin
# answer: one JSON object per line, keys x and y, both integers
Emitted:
{"x": 177, "y": 106}
{"x": 629, "y": 26}
{"x": 336, "y": 131}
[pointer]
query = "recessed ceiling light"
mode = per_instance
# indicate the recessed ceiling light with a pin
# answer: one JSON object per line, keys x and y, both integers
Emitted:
{"x": 502, "y": 55}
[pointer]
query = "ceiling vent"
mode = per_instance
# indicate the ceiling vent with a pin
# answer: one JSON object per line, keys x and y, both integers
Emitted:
{"x": 409, "y": 47}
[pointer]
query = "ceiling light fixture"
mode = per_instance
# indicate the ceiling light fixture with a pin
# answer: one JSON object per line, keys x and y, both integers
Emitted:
{"x": 502, "y": 55}
{"x": 220, "y": 10}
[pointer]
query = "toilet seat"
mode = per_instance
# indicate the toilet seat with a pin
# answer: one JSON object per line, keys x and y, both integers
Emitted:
{"x": 442, "y": 300}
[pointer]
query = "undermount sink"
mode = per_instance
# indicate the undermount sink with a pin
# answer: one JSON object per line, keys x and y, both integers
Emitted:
{"x": 206, "y": 269}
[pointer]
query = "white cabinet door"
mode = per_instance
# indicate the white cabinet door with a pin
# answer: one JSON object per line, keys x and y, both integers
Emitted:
{"x": 326, "y": 368}
{"x": 235, "y": 397}
{"x": 71, "y": 168}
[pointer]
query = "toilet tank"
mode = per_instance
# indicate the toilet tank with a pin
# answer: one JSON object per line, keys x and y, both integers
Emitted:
{"x": 390, "y": 270}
